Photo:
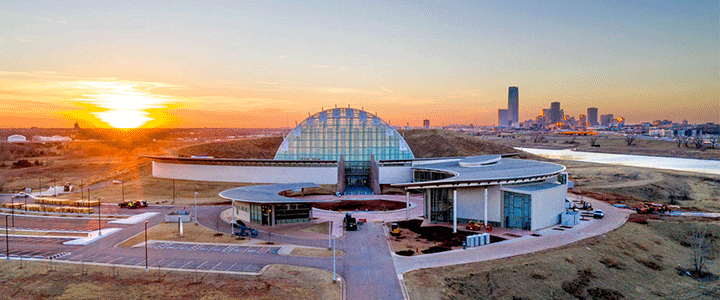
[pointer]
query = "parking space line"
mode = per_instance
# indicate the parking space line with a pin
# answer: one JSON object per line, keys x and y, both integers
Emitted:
{"x": 112, "y": 261}
{"x": 183, "y": 266}
{"x": 215, "y": 266}
{"x": 198, "y": 267}
{"x": 233, "y": 265}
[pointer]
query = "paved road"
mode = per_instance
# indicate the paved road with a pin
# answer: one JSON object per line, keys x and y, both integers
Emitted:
{"x": 368, "y": 267}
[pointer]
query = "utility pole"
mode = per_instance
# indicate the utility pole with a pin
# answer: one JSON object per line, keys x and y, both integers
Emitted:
{"x": 146, "y": 249}
{"x": 196, "y": 192}
{"x": 334, "y": 274}
{"x": 173, "y": 191}
{"x": 7, "y": 239}
{"x": 99, "y": 223}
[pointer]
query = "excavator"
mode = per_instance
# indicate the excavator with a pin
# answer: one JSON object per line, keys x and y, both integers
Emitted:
{"x": 478, "y": 226}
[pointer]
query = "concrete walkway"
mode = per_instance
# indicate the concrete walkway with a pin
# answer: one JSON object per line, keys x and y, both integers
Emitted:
{"x": 614, "y": 218}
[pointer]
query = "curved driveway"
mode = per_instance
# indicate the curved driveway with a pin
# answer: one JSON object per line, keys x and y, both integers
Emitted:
{"x": 614, "y": 218}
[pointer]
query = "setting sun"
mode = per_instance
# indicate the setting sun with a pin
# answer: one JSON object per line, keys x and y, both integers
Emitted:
{"x": 124, "y": 118}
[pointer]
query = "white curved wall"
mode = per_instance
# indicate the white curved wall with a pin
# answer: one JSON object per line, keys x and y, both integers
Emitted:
{"x": 389, "y": 175}
{"x": 251, "y": 174}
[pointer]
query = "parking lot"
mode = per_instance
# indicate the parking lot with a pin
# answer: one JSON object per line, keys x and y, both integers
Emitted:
{"x": 34, "y": 254}
{"x": 213, "y": 248}
{"x": 59, "y": 224}
{"x": 179, "y": 263}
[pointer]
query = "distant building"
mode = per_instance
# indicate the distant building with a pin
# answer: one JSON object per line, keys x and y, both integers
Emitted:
{"x": 592, "y": 116}
{"x": 546, "y": 116}
{"x": 513, "y": 100}
{"x": 504, "y": 117}
{"x": 426, "y": 123}
{"x": 583, "y": 121}
{"x": 556, "y": 115}
{"x": 16, "y": 138}
{"x": 607, "y": 120}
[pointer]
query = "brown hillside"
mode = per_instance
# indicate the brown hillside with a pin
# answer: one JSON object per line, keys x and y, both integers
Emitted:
{"x": 446, "y": 143}
{"x": 262, "y": 148}
{"x": 424, "y": 144}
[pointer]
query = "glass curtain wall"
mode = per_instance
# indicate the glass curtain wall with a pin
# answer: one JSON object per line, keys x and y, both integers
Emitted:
{"x": 439, "y": 205}
{"x": 353, "y": 133}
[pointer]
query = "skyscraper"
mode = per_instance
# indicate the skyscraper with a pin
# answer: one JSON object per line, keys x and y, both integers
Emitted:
{"x": 503, "y": 117}
{"x": 426, "y": 123}
{"x": 592, "y": 116}
{"x": 555, "y": 114}
{"x": 513, "y": 104}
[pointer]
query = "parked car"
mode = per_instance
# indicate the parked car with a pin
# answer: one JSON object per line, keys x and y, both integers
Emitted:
{"x": 599, "y": 214}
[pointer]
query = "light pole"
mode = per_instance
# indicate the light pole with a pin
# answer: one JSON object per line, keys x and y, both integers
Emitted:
{"x": 334, "y": 274}
{"x": 173, "y": 191}
{"x": 122, "y": 186}
{"x": 329, "y": 234}
{"x": 196, "y": 208}
{"x": 54, "y": 188}
{"x": 99, "y": 224}
{"x": 146, "y": 251}
{"x": 7, "y": 239}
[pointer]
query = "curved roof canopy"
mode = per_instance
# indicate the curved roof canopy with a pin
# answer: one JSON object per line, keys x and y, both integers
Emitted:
{"x": 266, "y": 194}
{"x": 486, "y": 169}
{"x": 353, "y": 133}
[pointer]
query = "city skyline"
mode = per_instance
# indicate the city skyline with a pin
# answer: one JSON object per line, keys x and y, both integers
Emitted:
{"x": 260, "y": 65}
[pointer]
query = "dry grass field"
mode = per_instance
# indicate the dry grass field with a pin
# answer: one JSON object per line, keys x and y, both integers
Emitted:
{"x": 69, "y": 281}
{"x": 631, "y": 185}
{"x": 191, "y": 233}
{"x": 636, "y": 261}
{"x": 612, "y": 144}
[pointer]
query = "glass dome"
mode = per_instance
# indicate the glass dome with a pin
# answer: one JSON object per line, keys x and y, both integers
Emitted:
{"x": 353, "y": 133}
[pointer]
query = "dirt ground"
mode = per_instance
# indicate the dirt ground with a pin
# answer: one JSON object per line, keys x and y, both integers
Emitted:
{"x": 610, "y": 144}
{"x": 416, "y": 240}
{"x": 635, "y": 261}
{"x": 632, "y": 185}
{"x": 191, "y": 233}
{"x": 360, "y": 205}
{"x": 68, "y": 281}
{"x": 446, "y": 143}
{"x": 314, "y": 252}
{"x": 263, "y": 148}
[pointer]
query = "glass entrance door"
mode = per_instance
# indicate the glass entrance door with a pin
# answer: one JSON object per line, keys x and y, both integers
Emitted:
{"x": 517, "y": 210}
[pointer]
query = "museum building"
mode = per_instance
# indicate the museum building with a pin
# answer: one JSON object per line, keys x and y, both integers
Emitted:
{"x": 355, "y": 152}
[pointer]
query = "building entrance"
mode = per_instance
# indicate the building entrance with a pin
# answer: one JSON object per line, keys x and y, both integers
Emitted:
{"x": 517, "y": 209}
{"x": 357, "y": 178}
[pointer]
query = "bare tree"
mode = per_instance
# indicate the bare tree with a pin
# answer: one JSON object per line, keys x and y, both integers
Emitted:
{"x": 699, "y": 143}
{"x": 538, "y": 137}
{"x": 700, "y": 246}
{"x": 593, "y": 140}
{"x": 630, "y": 139}
{"x": 679, "y": 140}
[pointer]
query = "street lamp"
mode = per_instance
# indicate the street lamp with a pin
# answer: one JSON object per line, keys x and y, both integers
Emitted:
{"x": 122, "y": 186}
{"x": 99, "y": 224}
{"x": 7, "y": 239}
{"x": 196, "y": 221}
{"x": 146, "y": 250}
{"x": 196, "y": 192}
{"x": 334, "y": 274}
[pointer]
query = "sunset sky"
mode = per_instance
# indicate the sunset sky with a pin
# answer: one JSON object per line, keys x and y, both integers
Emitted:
{"x": 269, "y": 64}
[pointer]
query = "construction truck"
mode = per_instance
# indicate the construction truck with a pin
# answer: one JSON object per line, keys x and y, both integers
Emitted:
{"x": 350, "y": 223}
{"x": 244, "y": 231}
{"x": 395, "y": 229}
{"x": 650, "y": 208}
{"x": 133, "y": 204}
{"x": 478, "y": 226}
